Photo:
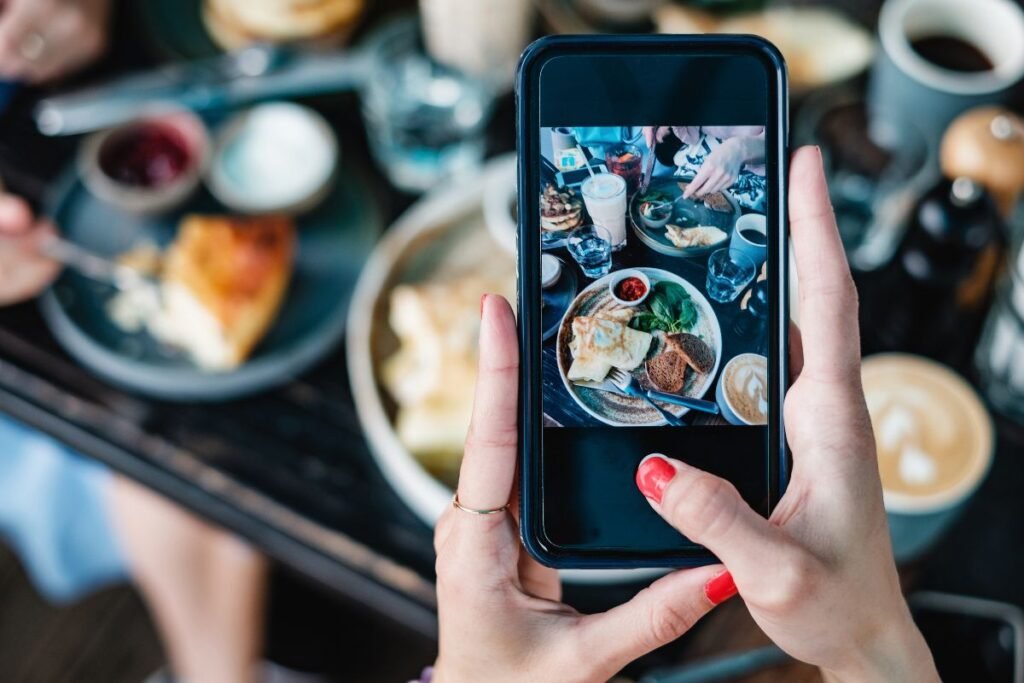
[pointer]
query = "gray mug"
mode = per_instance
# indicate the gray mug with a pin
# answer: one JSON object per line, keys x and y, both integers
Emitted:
{"x": 922, "y": 94}
{"x": 756, "y": 250}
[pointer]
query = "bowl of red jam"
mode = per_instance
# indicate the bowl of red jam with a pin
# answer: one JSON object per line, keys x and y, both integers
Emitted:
{"x": 629, "y": 287}
{"x": 150, "y": 165}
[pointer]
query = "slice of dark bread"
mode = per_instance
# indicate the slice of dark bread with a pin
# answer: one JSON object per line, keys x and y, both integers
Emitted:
{"x": 694, "y": 351}
{"x": 667, "y": 371}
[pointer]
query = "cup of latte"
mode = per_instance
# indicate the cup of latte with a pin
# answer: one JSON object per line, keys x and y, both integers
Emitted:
{"x": 742, "y": 391}
{"x": 935, "y": 445}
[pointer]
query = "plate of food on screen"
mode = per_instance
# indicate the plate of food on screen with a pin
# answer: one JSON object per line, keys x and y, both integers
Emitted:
{"x": 639, "y": 347}
{"x": 674, "y": 225}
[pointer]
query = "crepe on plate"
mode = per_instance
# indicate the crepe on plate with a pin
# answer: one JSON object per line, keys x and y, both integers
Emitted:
{"x": 700, "y": 236}
{"x": 222, "y": 282}
{"x": 600, "y": 344}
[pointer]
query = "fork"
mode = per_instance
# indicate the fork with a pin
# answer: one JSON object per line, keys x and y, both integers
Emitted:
{"x": 697, "y": 404}
{"x": 631, "y": 387}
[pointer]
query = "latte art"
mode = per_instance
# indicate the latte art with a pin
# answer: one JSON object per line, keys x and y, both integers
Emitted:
{"x": 932, "y": 435}
{"x": 745, "y": 384}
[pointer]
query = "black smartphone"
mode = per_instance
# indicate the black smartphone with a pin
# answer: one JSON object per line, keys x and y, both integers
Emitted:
{"x": 652, "y": 251}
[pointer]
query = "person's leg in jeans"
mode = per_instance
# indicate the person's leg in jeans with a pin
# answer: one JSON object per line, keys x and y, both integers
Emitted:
{"x": 77, "y": 528}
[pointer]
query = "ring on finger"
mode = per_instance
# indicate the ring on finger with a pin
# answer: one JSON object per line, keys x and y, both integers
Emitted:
{"x": 475, "y": 511}
{"x": 33, "y": 47}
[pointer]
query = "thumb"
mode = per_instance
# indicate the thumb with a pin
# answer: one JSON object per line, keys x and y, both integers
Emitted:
{"x": 655, "y": 616}
{"x": 709, "y": 510}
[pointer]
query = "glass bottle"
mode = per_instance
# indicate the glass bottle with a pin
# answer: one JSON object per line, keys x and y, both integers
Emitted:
{"x": 931, "y": 299}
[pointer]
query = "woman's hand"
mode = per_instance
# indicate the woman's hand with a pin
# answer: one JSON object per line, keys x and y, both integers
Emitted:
{"x": 819, "y": 576}
{"x": 501, "y": 618}
{"x": 24, "y": 272}
{"x": 44, "y": 39}
{"x": 720, "y": 169}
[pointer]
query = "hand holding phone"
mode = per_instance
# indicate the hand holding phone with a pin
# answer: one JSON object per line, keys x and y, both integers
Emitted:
{"x": 634, "y": 335}
{"x": 819, "y": 578}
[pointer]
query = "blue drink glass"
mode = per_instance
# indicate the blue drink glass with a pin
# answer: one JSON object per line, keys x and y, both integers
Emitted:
{"x": 425, "y": 122}
{"x": 729, "y": 272}
{"x": 591, "y": 246}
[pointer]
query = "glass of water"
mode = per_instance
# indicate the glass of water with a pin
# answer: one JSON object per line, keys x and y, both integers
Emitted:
{"x": 591, "y": 246}
{"x": 425, "y": 121}
{"x": 729, "y": 272}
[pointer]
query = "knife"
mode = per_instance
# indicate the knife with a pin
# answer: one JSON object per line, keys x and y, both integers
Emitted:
{"x": 260, "y": 72}
{"x": 673, "y": 420}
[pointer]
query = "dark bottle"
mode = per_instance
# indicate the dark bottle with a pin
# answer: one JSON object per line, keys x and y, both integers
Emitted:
{"x": 931, "y": 299}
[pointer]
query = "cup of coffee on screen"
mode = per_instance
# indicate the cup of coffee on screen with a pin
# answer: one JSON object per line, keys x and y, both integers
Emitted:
{"x": 939, "y": 58}
{"x": 750, "y": 237}
{"x": 934, "y": 441}
{"x": 742, "y": 391}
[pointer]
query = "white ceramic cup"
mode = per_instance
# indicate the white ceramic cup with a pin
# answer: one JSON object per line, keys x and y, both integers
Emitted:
{"x": 905, "y": 84}
{"x": 751, "y": 222}
{"x": 722, "y": 395}
{"x": 894, "y": 385}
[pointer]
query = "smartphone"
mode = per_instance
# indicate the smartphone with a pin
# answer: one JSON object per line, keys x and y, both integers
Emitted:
{"x": 652, "y": 267}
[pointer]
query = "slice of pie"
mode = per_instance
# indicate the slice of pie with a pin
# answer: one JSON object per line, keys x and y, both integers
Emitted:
{"x": 224, "y": 279}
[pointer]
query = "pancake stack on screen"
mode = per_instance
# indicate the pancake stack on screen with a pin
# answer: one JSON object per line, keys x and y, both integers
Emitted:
{"x": 237, "y": 23}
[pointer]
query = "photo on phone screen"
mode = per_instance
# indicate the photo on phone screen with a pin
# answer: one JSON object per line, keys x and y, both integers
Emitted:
{"x": 656, "y": 181}
{"x": 666, "y": 242}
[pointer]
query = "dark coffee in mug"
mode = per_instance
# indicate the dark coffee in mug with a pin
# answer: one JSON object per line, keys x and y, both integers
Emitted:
{"x": 754, "y": 237}
{"x": 949, "y": 52}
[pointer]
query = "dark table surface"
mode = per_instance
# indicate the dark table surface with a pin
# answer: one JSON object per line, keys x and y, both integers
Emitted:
{"x": 290, "y": 469}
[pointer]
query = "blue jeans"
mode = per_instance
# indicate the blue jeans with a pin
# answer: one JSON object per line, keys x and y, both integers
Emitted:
{"x": 54, "y": 513}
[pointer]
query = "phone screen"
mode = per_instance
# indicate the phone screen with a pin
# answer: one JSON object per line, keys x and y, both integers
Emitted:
{"x": 655, "y": 179}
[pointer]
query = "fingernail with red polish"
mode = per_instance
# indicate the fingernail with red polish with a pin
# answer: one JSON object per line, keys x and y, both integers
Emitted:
{"x": 653, "y": 475}
{"x": 720, "y": 588}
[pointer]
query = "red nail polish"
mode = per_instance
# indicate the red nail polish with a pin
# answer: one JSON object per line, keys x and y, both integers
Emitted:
{"x": 653, "y": 476}
{"x": 720, "y": 588}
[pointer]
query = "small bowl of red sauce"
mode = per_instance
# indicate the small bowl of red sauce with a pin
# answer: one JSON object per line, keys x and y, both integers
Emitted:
{"x": 150, "y": 165}
{"x": 629, "y": 287}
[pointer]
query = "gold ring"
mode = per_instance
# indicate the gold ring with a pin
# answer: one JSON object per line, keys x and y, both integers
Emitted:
{"x": 33, "y": 47}
{"x": 459, "y": 506}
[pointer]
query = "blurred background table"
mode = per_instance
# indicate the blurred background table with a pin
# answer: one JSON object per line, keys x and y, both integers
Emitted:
{"x": 290, "y": 469}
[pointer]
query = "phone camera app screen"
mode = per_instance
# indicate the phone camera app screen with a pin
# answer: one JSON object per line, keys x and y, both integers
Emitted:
{"x": 655, "y": 306}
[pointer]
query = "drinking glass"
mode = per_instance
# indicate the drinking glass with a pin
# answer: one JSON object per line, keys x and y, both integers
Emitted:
{"x": 604, "y": 195}
{"x": 625, "y": 160}
{"x": 729, "y": 272}
{"x": 425, "y": 122}
{"x": 591, "y": 246}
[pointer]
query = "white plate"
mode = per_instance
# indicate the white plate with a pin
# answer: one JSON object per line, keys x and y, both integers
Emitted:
{"x": 613, "y": 409}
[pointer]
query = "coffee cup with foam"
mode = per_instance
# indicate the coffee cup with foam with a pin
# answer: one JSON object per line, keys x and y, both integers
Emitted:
{"x": 742, "y": 391}
{"x": 934, "y": 441}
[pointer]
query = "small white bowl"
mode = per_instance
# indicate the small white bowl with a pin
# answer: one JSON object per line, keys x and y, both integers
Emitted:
{"x": 621, "y": 275}
{"x": 281, "y": 138}
{"x": 550, "y": 270}
{"x": 653, "y": 223}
